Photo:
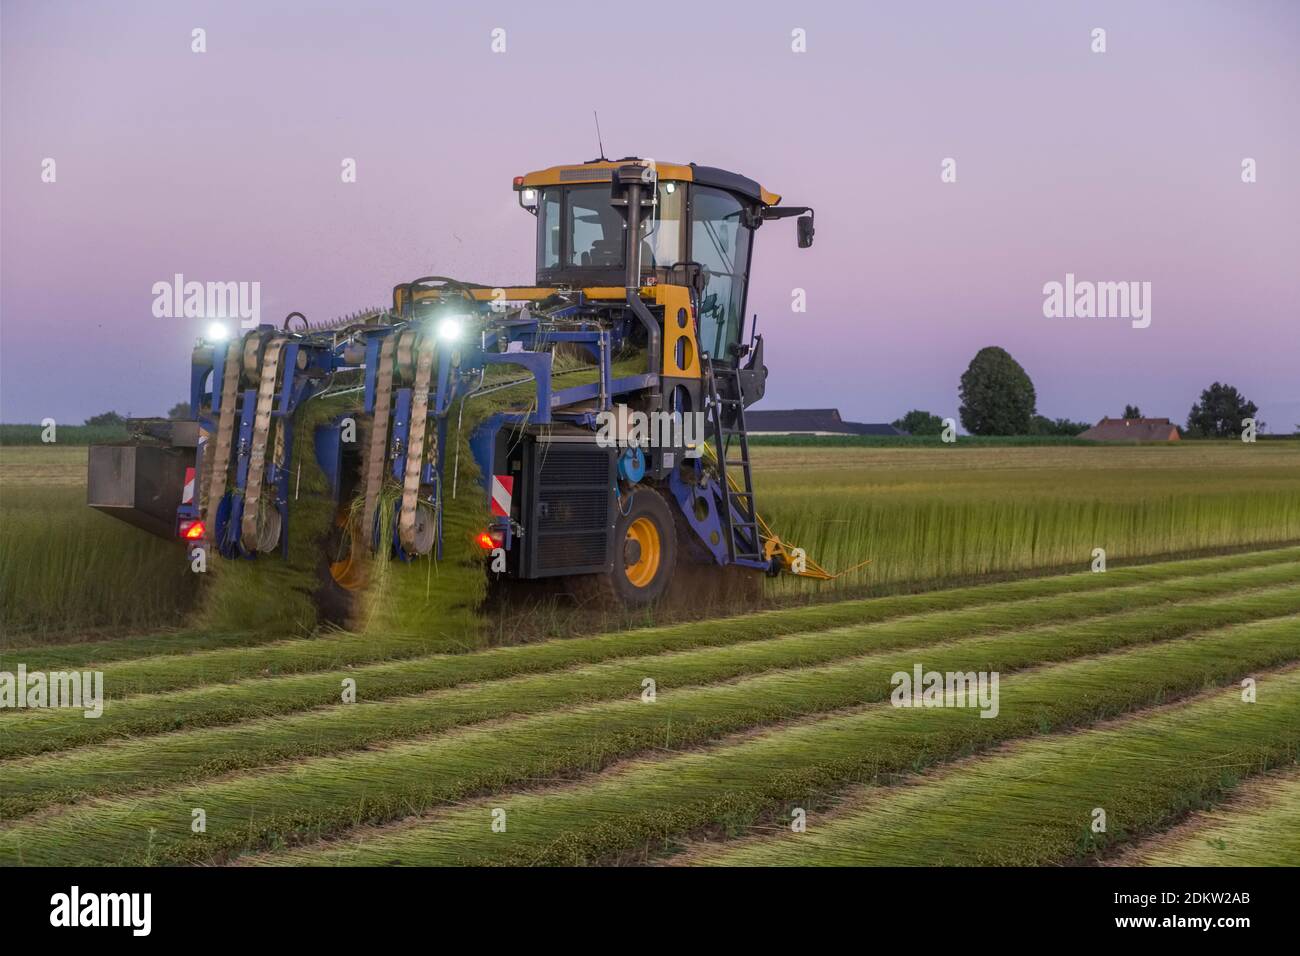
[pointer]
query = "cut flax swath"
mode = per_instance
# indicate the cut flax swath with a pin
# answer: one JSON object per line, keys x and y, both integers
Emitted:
{"x": 1036, "y": 803}
{"x": 1258, "y": 826}
{"x": 195, "y": 754}
{"x": 218, "y": 665}
{"x": 964, "y": 612}
{"x": 646, "y": 807}
{"x": 879, "y": 623}
{"x": 328, "y": 794}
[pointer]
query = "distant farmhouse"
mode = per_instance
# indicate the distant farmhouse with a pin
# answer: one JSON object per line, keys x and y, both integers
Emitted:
{"x": 810, "y": 421}
{"x": 1132, "y": 429}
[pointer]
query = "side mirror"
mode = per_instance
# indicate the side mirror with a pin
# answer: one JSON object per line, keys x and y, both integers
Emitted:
{"x": 805, "y": 227}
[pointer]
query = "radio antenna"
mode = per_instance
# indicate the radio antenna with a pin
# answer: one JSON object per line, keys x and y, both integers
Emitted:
{"x": 598, "y": 141}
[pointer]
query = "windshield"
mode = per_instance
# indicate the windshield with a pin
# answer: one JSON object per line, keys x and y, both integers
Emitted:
{"x": 594, "y": 228}
{"x": 578, "y": 227}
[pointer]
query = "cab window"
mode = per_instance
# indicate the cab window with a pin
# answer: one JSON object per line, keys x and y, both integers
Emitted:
{"x": 720, "y": 242}
{"x": 548, "y": 229}
{"x": 595, "y": 228}
{"x": 662, "y": 229}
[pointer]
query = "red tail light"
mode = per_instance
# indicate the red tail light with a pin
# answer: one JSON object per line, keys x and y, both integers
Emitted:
{"x": 485, "y": 541}
{"x": 192, "y": 530}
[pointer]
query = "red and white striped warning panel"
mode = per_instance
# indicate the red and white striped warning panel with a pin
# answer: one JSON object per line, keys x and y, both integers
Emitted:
{"x": 188, "y": 497}
{"x": 503, "y": 489}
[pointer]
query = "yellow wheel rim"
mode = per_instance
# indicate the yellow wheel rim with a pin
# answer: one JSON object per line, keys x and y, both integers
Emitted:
{"x": 641, "y": 572}
{"x": 347, "y": 572}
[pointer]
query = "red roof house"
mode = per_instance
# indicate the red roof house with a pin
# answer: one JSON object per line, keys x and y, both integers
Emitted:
{"x": 1133, "y": 429}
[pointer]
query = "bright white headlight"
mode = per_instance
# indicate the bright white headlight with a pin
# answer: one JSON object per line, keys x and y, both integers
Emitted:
{"x": 449, "y": 329}
{"x": 217, "y": 332}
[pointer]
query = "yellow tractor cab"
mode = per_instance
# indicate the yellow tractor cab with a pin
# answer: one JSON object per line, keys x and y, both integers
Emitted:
{"x": 695, "y": 226}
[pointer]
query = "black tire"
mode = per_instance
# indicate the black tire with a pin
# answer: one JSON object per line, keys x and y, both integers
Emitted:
{"x": 645, "y": 554}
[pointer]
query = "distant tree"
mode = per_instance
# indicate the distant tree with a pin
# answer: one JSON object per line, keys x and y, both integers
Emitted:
{"x": 917, "y": 422}
{"x": 997, "y": 397}
{"x": 181, "y": 410}
{"x": 1219, "y": 413}
{"x": 107, "y": 419}
{"x": 1057, "y": 426}
{"x": 1132, "y": 411}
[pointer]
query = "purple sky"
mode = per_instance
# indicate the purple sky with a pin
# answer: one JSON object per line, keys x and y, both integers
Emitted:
{"x": 225, "y": 166}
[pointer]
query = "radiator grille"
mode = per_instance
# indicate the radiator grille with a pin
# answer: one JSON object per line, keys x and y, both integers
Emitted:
{"x": 566, "y": 511}
{"x": 574, "y": 487}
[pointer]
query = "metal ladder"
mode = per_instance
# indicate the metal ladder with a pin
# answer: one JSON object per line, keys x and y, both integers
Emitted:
{"x": 739, "y": 517}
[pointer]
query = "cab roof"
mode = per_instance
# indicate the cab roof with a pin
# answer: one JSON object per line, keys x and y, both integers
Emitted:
{"x": 600, "y": 171}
